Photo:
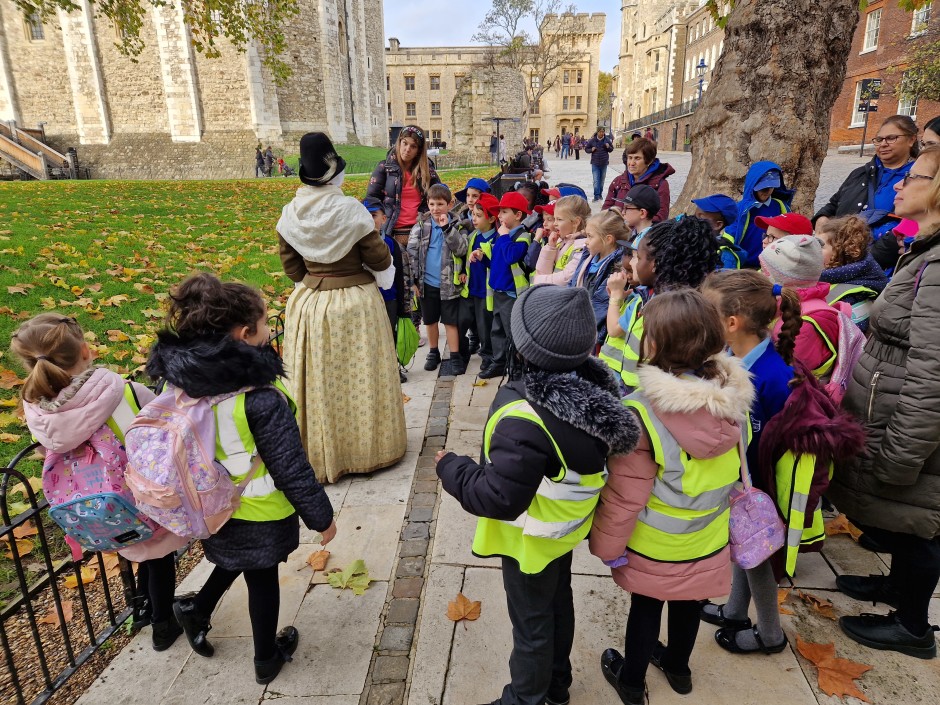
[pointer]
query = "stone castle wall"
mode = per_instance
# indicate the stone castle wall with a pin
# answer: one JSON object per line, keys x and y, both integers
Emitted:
{"x": 173, "y": 111}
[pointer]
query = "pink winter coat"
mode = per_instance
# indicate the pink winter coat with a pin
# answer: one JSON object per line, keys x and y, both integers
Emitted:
{"x": 704, "y": 416}
{"x": 810, "y": 348}
{"x": 545, "y": 267}
{"x": 64, "y": 423}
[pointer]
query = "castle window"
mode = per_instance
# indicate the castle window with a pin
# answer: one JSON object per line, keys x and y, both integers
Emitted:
{"x": 564, "y": 103}
{"x": 389, "y": 110}
{"x": 388, "y": 83}
{"x": 410, "y": 110}
{"x": 34, "y": 29}
{"x": 535, "y": 108}
{"x": 565, "y": 80}
{"x": 409, "y": 83}
{"x": 536, "y": 81}
{"x": 436, "y": 135}
{"x": 435, "y": 83}
{"x": 872, "y": 30}
{"x": 435, "y": 109}
{"x": 920, "y": 20}
{"x": 343, "y": 49}
{"x": 534, "y": 134}
{"x": 580, "y": 75}
{"x": 369, "y": 63}
{"x": 577, "y": 103}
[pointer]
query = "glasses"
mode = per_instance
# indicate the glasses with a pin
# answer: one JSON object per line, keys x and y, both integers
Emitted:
{"x": 928, "y": 143}
{"x": 888, "y": 139}
{"x": 907, "y": 178}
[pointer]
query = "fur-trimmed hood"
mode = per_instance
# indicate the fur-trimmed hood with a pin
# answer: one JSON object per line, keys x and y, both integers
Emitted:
{"x": 212, "y": 365}
{"x": 704, "y": 415}
{"x": 589, "y": 400}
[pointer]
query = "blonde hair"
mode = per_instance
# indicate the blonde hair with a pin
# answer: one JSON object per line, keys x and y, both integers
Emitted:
{"x": 49, "y": 345}
{"x": 609, "y": 223}
{"x": 575, "y": 207}
{"x": 932, "y": 154}
{"x": 849, "y": 238}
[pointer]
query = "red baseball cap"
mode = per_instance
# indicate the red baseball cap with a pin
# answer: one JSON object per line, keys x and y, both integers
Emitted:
{"x": 548, "y": 209}
{"x": 553, "y": 193}
{"x": 516, "y": 201}
{"x": 489, "y": 203}
{"x": 792, "y": 223}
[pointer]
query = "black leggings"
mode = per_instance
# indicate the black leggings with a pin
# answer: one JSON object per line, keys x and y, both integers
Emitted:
{"x": 643, "y": 632}
{"x": 264, "y": 603}
{"x": 156, "y": 580}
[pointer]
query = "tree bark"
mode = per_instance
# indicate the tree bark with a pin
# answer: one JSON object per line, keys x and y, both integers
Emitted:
{"x": 771, "y": 96}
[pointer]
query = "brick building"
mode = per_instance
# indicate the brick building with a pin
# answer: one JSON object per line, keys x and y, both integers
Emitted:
{"x": 878, "y": 51}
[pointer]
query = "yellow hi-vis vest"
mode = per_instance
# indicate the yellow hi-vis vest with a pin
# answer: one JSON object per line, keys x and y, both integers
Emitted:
{"x": 747, "y": 218}
{"x": 566, "y": 256}
{"x": 860, "y": 309}
{"x": 622, "y": 355}
{"x": 794, "y": 475}
{"x": 686, "y": 516}
{"x": 235, "y": 449}
{"x": 519, "y": 278}
{"x": 123, "y": 416}
{"x": 559, "y": 516}
{"x": 730, "y": 248}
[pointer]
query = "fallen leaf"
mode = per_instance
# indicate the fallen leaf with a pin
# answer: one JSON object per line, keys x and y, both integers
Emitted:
{"x": 463, "y": 608}
{"x": 842, "y": 525}
{"x": 23, "y": 547}
{"x": 52, "y": 617}
{"x": 9, "y": 403}
{"x": 317, "y": 560}
{"x": 836, "y": 675}
{"x": 112, "y": 565}
{"x": 355, "y": 577}
{"x": 9, "y": 380}
{"x": 480, "y": 383}
{"x": 25, "y": 530}
{"x": 405, "y": 398}
{"x": 117, "y": 336}
{"x": 782, "y": 595}
{"x": 824, "y": 607}
{"x": 18, "y": 290}
{"x": 20, "y": 488}
{"x": 88, "y": 574}
{"x": 10, "y": 419}
{"x": 9, "y": 437}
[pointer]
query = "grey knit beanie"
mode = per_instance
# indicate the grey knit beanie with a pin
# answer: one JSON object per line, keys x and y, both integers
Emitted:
{"x": 553, "y": 327}
{"x": 794, "y": 260}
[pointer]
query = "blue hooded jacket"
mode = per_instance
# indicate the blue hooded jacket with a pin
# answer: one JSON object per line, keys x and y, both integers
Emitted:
{"x": 746, "y": 233}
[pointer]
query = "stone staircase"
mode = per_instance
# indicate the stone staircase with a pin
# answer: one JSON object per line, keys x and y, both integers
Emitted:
{"x": 30, "y": 155}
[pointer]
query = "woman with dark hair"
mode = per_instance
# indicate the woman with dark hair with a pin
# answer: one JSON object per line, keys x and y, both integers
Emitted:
{"x": 401, "y": 182}
{"x": 931, "y": 136}
{"x": 642, "y": 168}
{"x": 893, "y": 490}
{"x": 338, "y": 346}
{"x": 868, "y": 191}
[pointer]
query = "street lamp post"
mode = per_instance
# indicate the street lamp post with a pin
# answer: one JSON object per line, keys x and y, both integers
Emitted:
{"x": 612, "y": 97}
{"x": 700, "y": 70}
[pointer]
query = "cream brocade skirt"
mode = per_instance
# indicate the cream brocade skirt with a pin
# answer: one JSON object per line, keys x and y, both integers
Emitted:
{"x": 343, "y": 372}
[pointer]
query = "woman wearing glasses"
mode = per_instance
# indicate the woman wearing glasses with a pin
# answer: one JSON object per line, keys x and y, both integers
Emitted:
{"x": 894, "y": 491}
{"x": 869, "y": 190}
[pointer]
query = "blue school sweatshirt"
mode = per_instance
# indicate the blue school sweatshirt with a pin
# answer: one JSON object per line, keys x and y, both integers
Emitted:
{"x": 476, "y": 274}
{"x": 391, "y": 293}
{"x": 771, "y": 377}
{"x": 506, "y": 252}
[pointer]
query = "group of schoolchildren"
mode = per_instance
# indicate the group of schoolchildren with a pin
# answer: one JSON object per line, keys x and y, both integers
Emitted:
{"x": 739, "y": 369}
{"x": 730, "y": 335}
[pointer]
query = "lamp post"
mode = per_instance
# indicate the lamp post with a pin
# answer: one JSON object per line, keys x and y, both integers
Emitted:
{"x": 700, "y": 70}
{"x": 612, "y": 97}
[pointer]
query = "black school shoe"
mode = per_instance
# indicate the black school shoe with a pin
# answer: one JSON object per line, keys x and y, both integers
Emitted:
{"x": 719, "y": 619}
{"x": 165, "y": 634}
{"x": 458, "y": 365}
{"x": 558, "y": 698}
{"x": 492, "y": 371}
{"x": 885, "y": 632}
{"x": 679, "y": 682}
{"x": 432, "y": 360}
{"x": 285, "y": 644}
{"x": 611, "y": 663}
{"x": 195, "y": 624}
{"x": 874, "y": 588}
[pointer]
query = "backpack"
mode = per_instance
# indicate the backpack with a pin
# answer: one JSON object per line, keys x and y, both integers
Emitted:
{"x": 89, "y": 496}
{"x": 171, "y": 465}
{"x": 848, "y": 347}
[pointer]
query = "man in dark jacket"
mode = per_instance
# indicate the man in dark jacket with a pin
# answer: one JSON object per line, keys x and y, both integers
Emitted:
{"x": 566, "y": 407}
{"x": 599, "y": 147}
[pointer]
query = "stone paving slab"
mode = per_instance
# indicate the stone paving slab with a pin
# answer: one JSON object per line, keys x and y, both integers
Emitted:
{"x": 369, "y": 533}
{"x": 225, "y": 679}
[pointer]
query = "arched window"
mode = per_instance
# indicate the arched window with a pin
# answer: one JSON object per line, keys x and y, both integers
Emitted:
{"x": 343, "y": 49}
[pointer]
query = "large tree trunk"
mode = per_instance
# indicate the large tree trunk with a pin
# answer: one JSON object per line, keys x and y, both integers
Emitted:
{"x": 771, "y": 96}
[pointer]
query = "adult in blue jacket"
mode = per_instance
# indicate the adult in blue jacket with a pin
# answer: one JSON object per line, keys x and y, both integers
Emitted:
{"x": 764, "y": 195}
{"x": 599, "y": 147}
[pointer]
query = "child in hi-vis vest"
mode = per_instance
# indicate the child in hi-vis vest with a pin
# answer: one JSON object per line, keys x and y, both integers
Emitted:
{"x": 543, "y": 465}
{"x": 662, "y": 522}
{"x": 216, "y": 343}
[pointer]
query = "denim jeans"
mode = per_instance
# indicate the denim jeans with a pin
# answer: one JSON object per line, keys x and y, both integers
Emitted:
{"x": 599, "y": 172}
{"x": 564, "y": 151}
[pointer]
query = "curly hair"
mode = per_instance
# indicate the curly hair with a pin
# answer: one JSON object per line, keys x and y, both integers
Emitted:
{"x": 204, "y": 305}
{"x": 849, "y": 238}
{"x": 749, "y": 295}
{"x": 685, "y": 251}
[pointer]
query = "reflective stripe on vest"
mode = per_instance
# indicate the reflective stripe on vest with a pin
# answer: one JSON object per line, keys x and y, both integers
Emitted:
{"x": 519, "y": 278}
{"x": 794, "y": 479}
{"x": 235, "y": 450}
{"x": 861, "y": 309}
{"x": 824, "y": 368}
{"x": 566, "y": 256}
{"x": 622, "y": 355}
{"x": 686, "y": 516}
{"x": 613, "y": 351}
{"x": 123, "y": 416}
{"x": 729, "y": 248}
{"x": 557, "y": 519}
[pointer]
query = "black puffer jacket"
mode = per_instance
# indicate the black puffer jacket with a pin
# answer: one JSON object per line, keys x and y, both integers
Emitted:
{"x": 583, "y": 413}
{"x": 211, "y": 366}
{"x": 895, "y": 392}
{"x": 386, "y": 184}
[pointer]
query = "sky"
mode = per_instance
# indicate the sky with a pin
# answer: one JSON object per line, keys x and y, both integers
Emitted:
{"x": 418, "y": 23}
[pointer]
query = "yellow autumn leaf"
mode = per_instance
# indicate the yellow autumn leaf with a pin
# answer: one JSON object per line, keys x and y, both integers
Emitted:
{"x": 88, "y": 574}
{"x": 9, "y": 438}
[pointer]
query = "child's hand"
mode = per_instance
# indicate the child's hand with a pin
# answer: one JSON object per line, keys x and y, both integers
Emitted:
{"x": 462, "y": 278}
{"x": 416, "y": 291}
{"x": 476, "y": 255}
{"x": 539, "y": 234}
{"x": 442, "y": 219}
{"x": 328, "y": 533}
{"x": 440, "y": 454}
{"x": 617, "y": 283}
{"x": 553, "y": 239}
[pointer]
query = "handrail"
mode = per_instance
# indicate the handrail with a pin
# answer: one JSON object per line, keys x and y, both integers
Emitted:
{"x": 22, "y": 158}
{"x": 676, "y": 111}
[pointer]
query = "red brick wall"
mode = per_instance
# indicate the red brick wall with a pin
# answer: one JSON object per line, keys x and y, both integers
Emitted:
{"x": 886, "y": 63}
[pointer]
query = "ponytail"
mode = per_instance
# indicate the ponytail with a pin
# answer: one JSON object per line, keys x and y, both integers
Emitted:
{"x": 49, "y": 345}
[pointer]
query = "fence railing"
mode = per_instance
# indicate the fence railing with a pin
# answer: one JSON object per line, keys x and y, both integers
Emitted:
{"x": 676, "y": 111}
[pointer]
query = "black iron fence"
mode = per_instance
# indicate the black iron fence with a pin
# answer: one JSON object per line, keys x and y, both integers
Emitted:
{"x": 44, "y": 637}
{"x": 676, "y": 111}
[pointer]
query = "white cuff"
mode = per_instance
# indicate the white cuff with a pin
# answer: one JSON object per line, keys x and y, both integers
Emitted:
{"x": 384, "y": 279}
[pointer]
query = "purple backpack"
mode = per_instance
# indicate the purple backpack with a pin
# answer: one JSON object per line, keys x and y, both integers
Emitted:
{"x": 171, "y": 465}
{"x": 756, "y": 530}
{"x": 89, "y": 498}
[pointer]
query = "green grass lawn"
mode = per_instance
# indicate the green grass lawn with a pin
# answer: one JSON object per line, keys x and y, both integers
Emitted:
{"x": 359, "y": 159}
{"x": 107, "y": 252}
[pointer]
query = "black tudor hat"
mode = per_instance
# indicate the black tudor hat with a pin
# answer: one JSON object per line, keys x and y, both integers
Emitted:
{"x": 319, "y": 162}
